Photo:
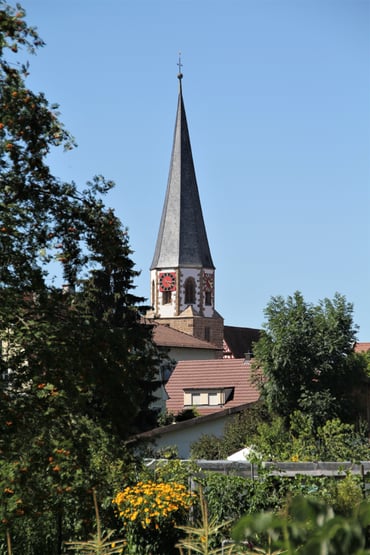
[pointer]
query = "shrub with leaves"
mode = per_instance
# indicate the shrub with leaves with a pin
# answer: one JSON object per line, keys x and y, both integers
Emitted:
{"x": 203, "y": 534}
{"x": 308, "y": 527}
{"x": 78, "y": 365}
{"x": 101, "y": 544}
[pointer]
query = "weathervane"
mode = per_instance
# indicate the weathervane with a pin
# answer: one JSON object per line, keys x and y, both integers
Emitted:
{"x": 180, "y": 66}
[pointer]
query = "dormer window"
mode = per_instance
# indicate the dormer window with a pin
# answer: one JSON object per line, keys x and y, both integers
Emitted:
{"x": 207, "y": 398}
{"x": 189, "y": 291}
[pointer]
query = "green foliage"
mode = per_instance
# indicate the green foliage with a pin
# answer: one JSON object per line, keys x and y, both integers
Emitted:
{"x": 349, "y": 494}
{"x": 306, "y": 354}
{"x": 199, "y": 537}
{"x": 101, "y": 544}
{"x": 78, "y": 364}
{"x": 275, "y": 439}
{"x": 303, "y": 439}
{"x": 308, "y": 527}
{"x": 341, "y": 442}
{"x": 334, "y": 441}
{"x": 228, "y": 497}
{"x": 366, "y": 358}
{"x": 239, "y": 432}
{"x": 208, "y": 447}
{"x": 46, "y": 493}
{"x": 175, "y": 470}
{"x": 186, "y": 414}
{"x": 272, "y": 440}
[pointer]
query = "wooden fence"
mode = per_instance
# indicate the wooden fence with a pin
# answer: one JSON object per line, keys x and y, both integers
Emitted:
{"x": 289, "y": 469}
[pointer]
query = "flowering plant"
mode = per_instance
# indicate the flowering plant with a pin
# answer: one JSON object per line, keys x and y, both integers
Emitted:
{"x": 150, "y": 511}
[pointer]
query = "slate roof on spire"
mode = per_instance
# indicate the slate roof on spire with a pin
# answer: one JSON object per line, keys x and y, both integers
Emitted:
{"x": 182, "y": 238}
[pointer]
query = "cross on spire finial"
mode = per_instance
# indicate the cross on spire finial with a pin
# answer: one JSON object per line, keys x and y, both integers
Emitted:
{"x": 180, "y": 66}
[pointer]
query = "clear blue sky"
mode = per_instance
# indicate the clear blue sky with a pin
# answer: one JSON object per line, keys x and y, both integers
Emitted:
{"x": 278, "y": 106}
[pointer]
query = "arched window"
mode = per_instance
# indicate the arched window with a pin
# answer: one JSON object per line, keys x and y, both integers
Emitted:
{"x": 189, "y": 291}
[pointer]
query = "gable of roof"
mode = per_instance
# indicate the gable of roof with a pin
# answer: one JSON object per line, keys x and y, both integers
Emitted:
{"x": 207, "y": 375}
{"x": 239, "y": 341}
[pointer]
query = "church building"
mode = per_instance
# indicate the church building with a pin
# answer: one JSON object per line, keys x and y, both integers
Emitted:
{"x": 182, "y": 272}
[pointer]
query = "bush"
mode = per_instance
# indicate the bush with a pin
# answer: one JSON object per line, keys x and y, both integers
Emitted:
{"x": 208, "y": 447}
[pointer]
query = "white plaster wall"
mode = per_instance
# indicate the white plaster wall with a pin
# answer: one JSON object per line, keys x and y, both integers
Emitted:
{"x": 183, "y": 439}
{"x": 208, "y": 311}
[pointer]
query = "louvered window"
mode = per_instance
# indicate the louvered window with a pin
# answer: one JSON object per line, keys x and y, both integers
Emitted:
{"x": 166, "y": 297}
{"x": 190, "y": 291}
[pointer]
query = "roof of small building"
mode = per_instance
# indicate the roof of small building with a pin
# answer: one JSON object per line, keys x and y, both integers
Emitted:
{"x": 165, "y": 336}
{"x": 208, "y": 375}
{"x": 239, "y": 341}
{"x": 362, "y": 347}
{"x": 190, "y": 423}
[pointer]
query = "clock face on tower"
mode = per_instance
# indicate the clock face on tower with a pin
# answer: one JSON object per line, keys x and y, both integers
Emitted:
{"x": 208, "y": 282}
{"x": 167, "y": 281}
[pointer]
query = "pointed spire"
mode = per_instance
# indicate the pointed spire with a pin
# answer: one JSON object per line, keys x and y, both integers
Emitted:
{"x": 182, "y": 238}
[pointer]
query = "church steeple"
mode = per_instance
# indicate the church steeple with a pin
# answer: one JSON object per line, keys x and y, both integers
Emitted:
{"x": 182, "y": 238}
{"x": 182, "y": 271}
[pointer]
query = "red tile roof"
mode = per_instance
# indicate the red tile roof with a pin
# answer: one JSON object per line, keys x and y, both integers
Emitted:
{"x": 362, "y": 347}
{"x": 210, "y": 375}
{"x": 239, "y": 341}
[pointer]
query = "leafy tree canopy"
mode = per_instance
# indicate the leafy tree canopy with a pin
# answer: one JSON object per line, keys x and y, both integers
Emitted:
{"x": 73, "y": 357}
{"x": 306, "y": 354}
{"x": 84, "y": 340}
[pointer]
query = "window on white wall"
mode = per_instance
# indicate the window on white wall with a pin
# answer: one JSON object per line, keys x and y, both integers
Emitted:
{"x": 166, "y": 298}
{"x": 189, "y": 287}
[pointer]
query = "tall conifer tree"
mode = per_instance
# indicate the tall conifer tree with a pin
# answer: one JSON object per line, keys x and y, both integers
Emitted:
{"x": 77, "y": 358}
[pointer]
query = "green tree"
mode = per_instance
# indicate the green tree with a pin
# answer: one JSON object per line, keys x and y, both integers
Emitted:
{"x": 306, "y": 355}
{"x": 240, "y": 431}
{"x": 78, "y": 364}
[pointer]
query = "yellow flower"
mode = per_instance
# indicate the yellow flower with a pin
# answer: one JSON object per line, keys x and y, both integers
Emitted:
{"x": 150, "y": 502}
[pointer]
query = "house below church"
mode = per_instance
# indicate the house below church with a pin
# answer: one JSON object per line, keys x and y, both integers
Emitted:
{"x": 210, "y": 386}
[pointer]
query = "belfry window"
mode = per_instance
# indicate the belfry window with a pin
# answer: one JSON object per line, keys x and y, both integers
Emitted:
{"x": 189, "y": 291}
{"x": 166, "y": 297}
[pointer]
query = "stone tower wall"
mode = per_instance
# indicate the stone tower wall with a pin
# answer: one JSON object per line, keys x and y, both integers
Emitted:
{"x": 197, "y": 327}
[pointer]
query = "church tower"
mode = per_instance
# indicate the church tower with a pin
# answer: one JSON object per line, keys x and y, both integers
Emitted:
{"x": 182, "y": 272}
